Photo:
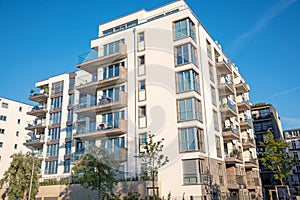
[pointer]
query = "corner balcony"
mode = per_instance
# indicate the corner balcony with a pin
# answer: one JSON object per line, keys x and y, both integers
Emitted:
{"x": 228, "y": 110}
{"x": 251, "y": 163}
{"x": 35, "y": 142}
{"x": 38, "y": 111}
{"x": 223, "y": 67}
{"x": 246, "y": 124}
{"x": 242, "y": 87}
{"x": 225, "y": 87}
{"x": 248, "y": 143}
{"x": 230, "y": 133}
{"x": 39, "y": 96}
{"x": 244, "y": 105}
{"x": 235, "y": 181}
{"x": 36, "y": 125}
{"x": 102, "y": 130}
{"x": 90, "y": 61}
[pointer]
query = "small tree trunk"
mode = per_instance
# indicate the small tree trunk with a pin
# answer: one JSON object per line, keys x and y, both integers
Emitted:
{"x": 24, "y": 195}
{"x": 153, "y": 188}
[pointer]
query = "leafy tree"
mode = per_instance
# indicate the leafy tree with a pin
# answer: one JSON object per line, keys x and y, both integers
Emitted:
{"x": 96, "y": 170}
{"x": 18, "y": 177}
{"x": 275, "y": 157}
{"x": 153, "y": 157}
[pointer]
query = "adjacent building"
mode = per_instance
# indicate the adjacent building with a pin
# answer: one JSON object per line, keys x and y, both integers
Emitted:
{"x": 266, "y": 118}
{"x": 13, "y": 120}
{"x": 153, "y": 72}
{"x": 292, "y": 137}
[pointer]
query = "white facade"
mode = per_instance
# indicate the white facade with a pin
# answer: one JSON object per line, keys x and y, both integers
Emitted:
{"x": 13, "y": 120}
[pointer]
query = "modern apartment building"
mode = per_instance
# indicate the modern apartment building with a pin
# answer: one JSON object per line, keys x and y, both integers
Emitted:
{"x": 265, "y": 117}
{"x": 13, "y": 120}
{"x": 160, "y": 72}
{"x": 292, "y": 137}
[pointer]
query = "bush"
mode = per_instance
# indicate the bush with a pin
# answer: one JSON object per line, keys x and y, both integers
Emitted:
{"x": 132, "y": 196}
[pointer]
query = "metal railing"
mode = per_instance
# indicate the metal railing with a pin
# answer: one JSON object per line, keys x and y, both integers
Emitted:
{"x": 38, "y": 92}
{"x": 36, "y": 122}
{"x": 39, "y": 107}
{"x": 229, "y": 104}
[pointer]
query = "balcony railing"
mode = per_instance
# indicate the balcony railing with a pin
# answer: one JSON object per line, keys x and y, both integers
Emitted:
{"x": 242, "y": 87}
{"x": 246, "y": 123}
{"x": 228, "y": 109}
{"x": 38, "y": 111}
{"x": 230, "y": 133}
{"x": 39, "y": 95}
{"x": 77, "y": 154}
{"x": 36, "y": 124}
{"x": 35, "y": 142}
{"x": 235, "y": 181}
{"x": 223, "y": 66}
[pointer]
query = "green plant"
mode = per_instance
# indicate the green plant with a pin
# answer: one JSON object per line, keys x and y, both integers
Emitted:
{"x": 132, "y": 196}
{"x": 235, "y": 152}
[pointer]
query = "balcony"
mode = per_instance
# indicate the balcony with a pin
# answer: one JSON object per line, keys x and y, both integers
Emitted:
{"x": 38, "y": 111}
{"x": 231, "y": 159}
{"x": 230, "y": 133}
{"x": 39, "y": 96}
{"x": 36, "y": 142}
{"x": 246, "y": 123}
{"x": 244, "y": 105}
{"x": 248, "y": 143}
{"x": 242, "y": 87}
{"x": 225, "y": 87}
{"x": 223, "y": 67}
{"x": 37, "y": 124}
{"x": 228, "y": 109}
{"x": 91, "y": 60}
{"x": 76, "y": 155}
{"x": 251, "y": 163}
{"x": 235, "y": 181}
{"x": 119, "y": 78}
{"x": 253, "y": 183}
{"x": 102, "y": 130}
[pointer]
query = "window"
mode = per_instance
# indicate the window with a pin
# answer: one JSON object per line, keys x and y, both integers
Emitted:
{"x": 112, "y": 94}
{"x": 19, "y": 121}
{"x": 213, "y": 95}
{"x": 20, "y": 109}
{"x": 71, "y": 99}
{"x": 141, "y": 64}
{"x": 16, "y": 146}
{"x": 111, "y": 71}
{"x": 56, "y": 102}
{"x": 1, "y": 144}
{"x": 68, "y": 146}
{"x": 141, "y": 37}
{"x": 211, "y": 72}
{"x": 184, "y": 28}
{"x": 142, "y": 141}
{"x": 113, "y": 145}
{"x": 141, "y": 60}
{"x": 51, "y": 167}
{"x": 216, "y": 120}
{"x": 57, "y": 87}
{"x": 142, "y": 111}
{"x": 218, "y": 147}
{"x": 208, "y": 47}
{"x": 55, "y": 118}
{"x": 17, "y": 133}
{"x": 3, "y": 118}
{"x": 112, "y": 48}
{"x": 67, "y": 164}
{"x": 193, "y": 171}
{"x": 69, "y": 131}
{"x": 2, "y": 131}
{"x": 191, "y": 139}
{"x": 295, "y": 154}
{"x": 54, "y": 134}
{"x": 142, "y": 85}
{"x": 70, "y": 115}
{"x": 52, "y": 150}
{"x": 187, "y": 81}
{"x": 186, "y": 54}
{"x": 220, "y": 173}
{"x": 71, "y": 83}
{"x": 4, "y": 105}
{"x": 189, "y": 109}
{"x": 293, "y": 144}
{"x": 111, "y": 120}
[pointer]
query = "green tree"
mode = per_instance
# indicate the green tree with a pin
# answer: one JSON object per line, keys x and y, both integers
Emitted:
{"x": 276, "y": 158}
{"x": 19, "y": 175}
{"x": 96, "y": 170}
{"x": 153, "y": 157}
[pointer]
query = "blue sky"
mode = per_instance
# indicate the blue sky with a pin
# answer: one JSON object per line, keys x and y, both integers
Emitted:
{"x": 42, "y": 38}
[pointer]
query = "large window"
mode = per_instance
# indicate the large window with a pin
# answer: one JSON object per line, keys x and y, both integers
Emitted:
{"x": 189, "y": 109}
{"x": 186, "y": 54}
{"x": 55, "y": 118}
{"x": 213, "y": 95}
{"x": 191, "y": 139}
{"x": 112, "y": 48}
{"x": 193, "y": 171}
{"x": 220, "y": 173}
{"x": 113, "y": 145}
{"x": 216, "y": 120}
{"x": 184, "y": 28}
{"x": 218, "y": 147}
{"x": 112, "y": 94}
{"x": 111, "y": 120}
{"x": 72, "y": 84}
{"x": 52, "y": 150}
{"x": 211, "y": 72}
{"x": 56, "y": 102}
{"x": 262, "y": 126}
{"x": 68, "y": 146}
{"x": 67, "y": 164}
{"x": 70, "y": 115}
{"x": 57, "y": 87}
{"x": 54, "y": 133}
{"x": 51, "y": 167}
{"x": 112, "y": 71}
{"x": 187, "y": 80}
